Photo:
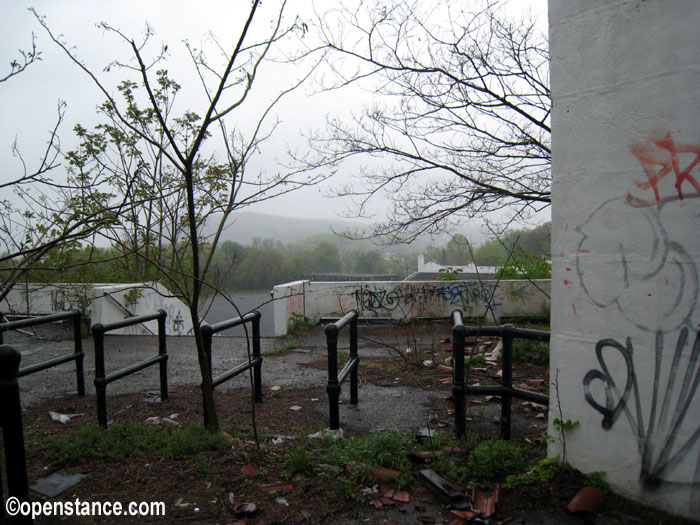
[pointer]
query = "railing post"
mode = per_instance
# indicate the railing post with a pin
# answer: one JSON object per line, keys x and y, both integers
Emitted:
{"x": 163, "y": 352}
{"x": 506, "y": 379}
{"x": 458, "y": 388}
{"x": 11, "y": 422}
{"x": 257, "y": 356}
{"x": 333, "y": 387}
{"x": 98, "y": 334}
{"x": 207, "y": 334}
{"x": 354, "y": 357}
{"x": 78, "y": 349}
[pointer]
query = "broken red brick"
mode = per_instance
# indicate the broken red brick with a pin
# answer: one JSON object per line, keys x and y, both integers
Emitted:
{"x": 484, "y": 500}
{"x": 537, "y": 383}
{"x": 444, "y": 369}
{"x": 463, "y": 515}
{"x": 386, "y": 492}
{"x": 454, "y": 449}
{"x": 402, "y": 496}
{"x": 421, "y": 456}
{"x": 426, "y": 518}
{"x": 376, "y": 503}
{"x": 387, "y": 501}
{"x": 352, "y": 467}
{"x": 248, "y": 470}
{"x": 588, "y": 499}
{"x": 384, "y": 474}
{"x": 418, "y": 506}
{"x": 279, "y": 487}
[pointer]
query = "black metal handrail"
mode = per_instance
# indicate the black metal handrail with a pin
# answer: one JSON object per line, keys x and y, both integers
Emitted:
{"x": 102, "y": 379}
{"x": 12, "y": 433}
{"x": 255, "y": 362}
{"x": 335, "y": 380}
{"x": 78, "y": 356}
{"x": 459, "y": 390}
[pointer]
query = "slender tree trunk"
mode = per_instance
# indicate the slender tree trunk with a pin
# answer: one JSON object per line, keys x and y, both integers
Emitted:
{"x": 205, "y": 370}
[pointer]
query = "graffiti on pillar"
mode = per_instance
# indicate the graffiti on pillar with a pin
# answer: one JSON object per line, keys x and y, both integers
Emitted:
{"x": 652, "y": 284}
{"x": 661, "y": 156}
{"x": 668, "y": 432}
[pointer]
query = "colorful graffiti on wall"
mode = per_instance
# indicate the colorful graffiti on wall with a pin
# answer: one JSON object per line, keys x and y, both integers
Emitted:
{"x": 424, "y": 298}
{"x": 652, "y": 284}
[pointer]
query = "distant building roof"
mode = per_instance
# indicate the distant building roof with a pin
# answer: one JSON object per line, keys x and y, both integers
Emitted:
{"x": 332, "y": 277}
{"x": 429, "y": 271}
{"x": 462, "y": 276}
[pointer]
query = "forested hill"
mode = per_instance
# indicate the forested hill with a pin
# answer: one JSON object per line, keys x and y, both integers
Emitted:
{"x": 245, "y": 226}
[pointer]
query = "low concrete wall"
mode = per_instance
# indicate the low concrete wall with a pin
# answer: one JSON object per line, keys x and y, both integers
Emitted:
{"x": 406, "y": 300}
{"x": 103, "y": 303}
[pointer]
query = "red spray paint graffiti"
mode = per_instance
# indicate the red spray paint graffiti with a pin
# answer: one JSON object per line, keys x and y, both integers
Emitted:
{"x": 660, "y": 156}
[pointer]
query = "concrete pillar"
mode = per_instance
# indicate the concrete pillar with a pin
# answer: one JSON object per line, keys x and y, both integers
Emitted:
{"x": 625, "y": 244}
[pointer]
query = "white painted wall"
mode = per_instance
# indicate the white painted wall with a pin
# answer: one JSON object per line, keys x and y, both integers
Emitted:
{"x": 103, "y": 303}
{"x": 625, "y": 316}
{"x": 408, "y": 299}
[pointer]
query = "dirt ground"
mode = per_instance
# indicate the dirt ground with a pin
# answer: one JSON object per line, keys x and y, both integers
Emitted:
{"x": 397, "y": 391}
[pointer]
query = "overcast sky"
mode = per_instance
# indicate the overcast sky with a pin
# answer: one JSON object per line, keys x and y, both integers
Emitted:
{"x": 28, "y": 102}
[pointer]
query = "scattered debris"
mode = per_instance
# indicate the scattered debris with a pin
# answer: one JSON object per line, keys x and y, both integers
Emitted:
{"x": 444, "y": 369}
{"x": 278, "y": 487}
{"x": 56, "y": 483}
{"x": 276, "y": 388}
{"x": 280, "y": 439}
{"x": 282, "y": 501}
{"x": 485, "y": 500}
{"x": 588, "y": 499}
{"x": 165, "y": 421}
{"x": 495, "y": 354}
{"x": 421, "y": 456}
{"x": 425, "y": 433}
{"x": 385, "y": 475}
{"x": 181, "y": 503}
{"x": 248, "y": 470}
{"x": 245, "y": 509}
{"x": 463, "y": 515}
{"x": 295, "y": 407}
{"x": 429, "y": 363}
{"x": 335, "y": 434}
{"x": 62, "y": 418}
{"x": 443, "y": 489}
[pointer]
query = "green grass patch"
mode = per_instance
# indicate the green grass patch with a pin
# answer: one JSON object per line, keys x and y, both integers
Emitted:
{"x": 124, "y": 439}
{"x": 529, "y": 351}
{"x": 289, "y": 344}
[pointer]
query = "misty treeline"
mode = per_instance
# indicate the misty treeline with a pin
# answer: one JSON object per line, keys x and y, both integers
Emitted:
{"x": 264, "y": 263}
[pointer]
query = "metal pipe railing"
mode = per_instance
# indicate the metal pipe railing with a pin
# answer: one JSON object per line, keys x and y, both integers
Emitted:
{"x": 78, "y": 356}
{"x": 102, "y": 379}
{"x": 335, "y": 379}
{"x": 12, "y": 433}
{"x": 505, "y": 390}
{"x": 256, "y": 359}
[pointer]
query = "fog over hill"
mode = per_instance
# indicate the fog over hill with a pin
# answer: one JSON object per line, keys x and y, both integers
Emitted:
{"x": 243, "y": 227}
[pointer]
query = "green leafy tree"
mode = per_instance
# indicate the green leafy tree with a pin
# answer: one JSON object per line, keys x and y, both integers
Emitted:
{"x": 524, "y": 265}
{"x": 181, "y": 168}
